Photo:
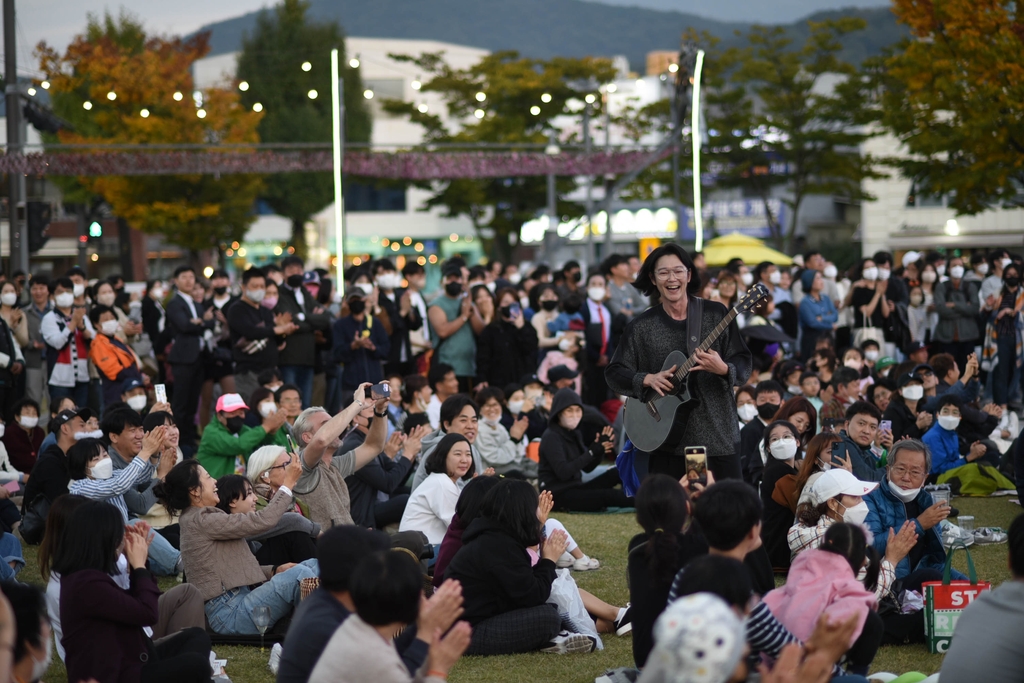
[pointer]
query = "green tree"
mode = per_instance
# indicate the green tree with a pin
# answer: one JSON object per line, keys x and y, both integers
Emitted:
{"x": 271, "y": 63}
{"x": 115, "y": 57}
{"x": 510, "y": 85}
{"x": 954, "y": 96}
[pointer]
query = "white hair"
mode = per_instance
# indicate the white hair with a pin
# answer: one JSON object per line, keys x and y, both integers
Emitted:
{"x": 303, "y": 424}
{"x": 261, "y": 460}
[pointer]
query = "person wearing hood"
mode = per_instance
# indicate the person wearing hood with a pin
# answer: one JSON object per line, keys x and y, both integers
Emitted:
{"x": 459, "y": 415}
{"x": 781, "y": 446}
{"x": 973, "y": 469}
{"x": 564, "y": 457}
{"x": 767, "y": 401}
{"x": 227, "y": 442}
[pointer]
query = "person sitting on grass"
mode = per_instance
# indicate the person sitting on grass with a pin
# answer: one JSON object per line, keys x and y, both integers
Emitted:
{"x": 458, "y": 415}
{"x": 227, "y": 442}
{"x": 386, "y": 590}
{"x": 218, "y": 560}
{"x": 293, "y": 540}
{"x": 986, "y": 645}
{"x": 781, "y": 447}
{"x": 968, "y": 468}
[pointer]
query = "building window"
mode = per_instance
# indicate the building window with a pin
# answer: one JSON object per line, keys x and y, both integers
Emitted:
{"x": 372, "y": 197}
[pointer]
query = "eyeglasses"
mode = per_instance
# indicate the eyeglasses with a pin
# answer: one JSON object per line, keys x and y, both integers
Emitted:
{"x": 900, "y": 470}
{"x": 665, "y": 274}
{"x": 280, "y": 467}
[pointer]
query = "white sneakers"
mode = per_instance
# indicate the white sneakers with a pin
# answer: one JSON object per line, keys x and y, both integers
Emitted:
{"x": 584, "y": 564}
{"x": 566, "y": 643}
{"x": 565, "y": 561}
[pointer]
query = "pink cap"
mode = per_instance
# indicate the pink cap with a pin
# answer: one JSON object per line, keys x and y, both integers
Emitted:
{"x": 229, "y": 403}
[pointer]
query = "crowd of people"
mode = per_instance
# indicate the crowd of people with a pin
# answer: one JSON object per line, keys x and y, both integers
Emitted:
{"x": 307, "y": 463}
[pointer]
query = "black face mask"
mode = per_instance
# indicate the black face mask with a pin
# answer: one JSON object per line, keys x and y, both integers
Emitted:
{"x": 1012, "y": 281}
{"x": 549, "y": 305}
{"x": 235, "y": 424}
{"x": 572, "y": 310}
{"x": 295, "y": 281}
{"x": 453, "y": 289}
{"x": 220, "y": 291}
{"x": 767, "y": 410}
{"x": 577, "y": 276}
{"x": 356, "y": 306}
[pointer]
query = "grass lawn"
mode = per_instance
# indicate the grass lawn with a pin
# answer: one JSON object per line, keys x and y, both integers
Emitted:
{"x": 605, "y": 537}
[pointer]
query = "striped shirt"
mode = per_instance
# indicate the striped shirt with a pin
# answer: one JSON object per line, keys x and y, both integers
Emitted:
{"x": 112, "y": 490}
{"x": 802, "y": 537}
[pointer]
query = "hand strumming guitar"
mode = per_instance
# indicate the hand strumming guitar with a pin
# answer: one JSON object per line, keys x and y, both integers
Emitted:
{"x": 661, "y": 382}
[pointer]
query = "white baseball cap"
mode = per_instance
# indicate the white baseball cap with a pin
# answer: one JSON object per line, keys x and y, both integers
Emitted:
{"x": 837, "y": 482}
{"x": 911, "y": 257}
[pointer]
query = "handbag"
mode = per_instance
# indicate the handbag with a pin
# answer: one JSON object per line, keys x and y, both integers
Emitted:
{"x": 945, "y": 600}
{"x": 33, "y": 522}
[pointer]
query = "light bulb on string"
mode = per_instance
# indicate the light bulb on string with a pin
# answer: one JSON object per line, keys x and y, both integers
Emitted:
{"x": 354, "y": 63}
{"x": 243, "y": 86}
{"x": 87, "y": 105}
{"x": 31, "y": 92}
{"x": 368, "y": 94}
{"x": 590, "y": 99}
{"x": 257, "y": 107}
{"x": 416, "y": 85}
{"x": 306, "y": 66}
{"x": 672, "y": 68}
{"x": 545, "y": 98}
{"x": 422, "y": 108}
{"x": 312, "y": 94}
{"x": 111, "y": 95}
{"x": 45, "y": 85}
{"x": 535, "y": 110}
{"x": 480, "y": 97}
{"x": 479, "y": 113}
{"x": 144, "y": 113}
{"x": 178, "y": 97}
{"x": 201, "y": 113}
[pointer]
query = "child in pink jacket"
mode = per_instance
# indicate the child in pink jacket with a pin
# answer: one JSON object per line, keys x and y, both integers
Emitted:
{"x": 824, "y": 580}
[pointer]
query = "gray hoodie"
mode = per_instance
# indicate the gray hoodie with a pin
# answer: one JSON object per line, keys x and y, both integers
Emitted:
{"x": 427, "y": 447}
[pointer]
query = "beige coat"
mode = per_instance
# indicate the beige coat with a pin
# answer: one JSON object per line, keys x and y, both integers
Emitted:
{"x": 357, "y": 653}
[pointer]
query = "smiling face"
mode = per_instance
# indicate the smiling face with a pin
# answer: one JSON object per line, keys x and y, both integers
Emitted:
{"x": 671, "y": 277}
{"x": 460, "y": 459}
{"x": 241, "y": 506}
{"x": 491, "y": 410}
{"x": 205, "y": 495}
{"x": 465, "y": 423}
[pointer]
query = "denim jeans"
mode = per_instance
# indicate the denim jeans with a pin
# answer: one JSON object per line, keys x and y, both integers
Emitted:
{"x": 163, "y": 558}
{"x": 79, "y": 393}
{"x": 10, "y": 551}
{"x": 302, "y": 377}
{"x": 231, "y": 611}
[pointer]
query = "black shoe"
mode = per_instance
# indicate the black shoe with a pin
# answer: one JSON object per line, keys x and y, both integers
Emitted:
{"x": 624, "y": 624}
{"x": 954, "y": 512}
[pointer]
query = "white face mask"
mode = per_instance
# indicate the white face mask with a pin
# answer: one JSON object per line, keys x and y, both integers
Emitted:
{"x": 64, "y": 300}
{"x": 775, "y": 278}
{"x": 389, "y": 280}
{"x": 949, "y": 422}
{"x": 268, "y": 408}
{"x": 157, "y": 292}
{"x": 831, "y": 271}
{"x": 956, "y": 272}
{"x": 28, "y": 422}
{"x": 255, "y": 295}
{"x": 747, "y": 279}
{"x": 747, "y": 412}
{"x": 854, "y": 363}
{"x": 366, "y": 287}
{"x": 596, "y": 294}
{"x": 137, "y": 403}
{"x": 9, "y": 298}
{"x": 94, "y": 434}
{"x": 794, "y": 389}
{"x": 565, "y": 344}
{"x": 491, "y": 423}
{"x": 783, "y": 449}
{"x": 981, "y": 269}
{"x": 913, "y": 392}
{"x": 106, "y": 298}
{"x": 515, "y": 407}
{"x": 928, "y": 276}
{"x": 570, "y": 423}
{"x": 103, "y": 469}
{"x": 109, "y": 327}
{"x": 871, "y": 355}
{"x": 870, "y": 274}
{"x": 857, "y": 514}
{"x": 79, "y": 290}
{"x": 515, "y": 278}
{"x": 1005, "y": 262}
{"x": 941, "y": 269}
{"x": 884, "y": 273}
{"x": 906, "y": 495}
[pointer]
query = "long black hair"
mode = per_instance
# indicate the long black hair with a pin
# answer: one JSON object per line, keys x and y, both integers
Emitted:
{"x": 437, "y": 461}
{"x": 661, "y": 509}
{"x": 471, "y": 501}
{"x": 512, "y": 506}
{"x": 175, "y": 491}
{"x": 645, "y": 278}
{"x": 850, "y": 541}
{"x": 90, "y": 539}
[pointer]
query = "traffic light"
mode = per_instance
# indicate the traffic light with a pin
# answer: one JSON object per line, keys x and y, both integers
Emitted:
{"x": 95, "y": 229}
{"x": 39, "y": 214}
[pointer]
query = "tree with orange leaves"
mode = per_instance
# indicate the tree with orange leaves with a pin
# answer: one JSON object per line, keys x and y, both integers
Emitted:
{"x": 953, "y": 93}
{"x": 116, "y": 85}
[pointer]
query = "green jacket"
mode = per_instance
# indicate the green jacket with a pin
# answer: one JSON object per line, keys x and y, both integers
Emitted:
{"x": 219, "y": 447}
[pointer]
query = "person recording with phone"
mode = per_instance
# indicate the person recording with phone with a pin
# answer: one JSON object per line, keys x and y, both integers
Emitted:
{"x": 507, "y": 348}
{"x": 361, "y": 343}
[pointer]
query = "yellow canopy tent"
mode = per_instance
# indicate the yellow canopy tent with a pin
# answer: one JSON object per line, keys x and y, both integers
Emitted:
{"x": 721, "y": 250}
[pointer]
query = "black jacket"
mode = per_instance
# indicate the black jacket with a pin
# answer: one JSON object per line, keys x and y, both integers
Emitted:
{"x": 186, "y": 336}
{"x": 380, "y": 474}
{"x": 750, "y": 457}
{"x": 300, "y": 348}
{"x": 50, "y": 477}
{"x": 249, "y": 324}
{"x": 152, "y": 314}
{"x": 400, "y": 326}
{"x": 563, "y": 454}
{"x": 904, "y": 422}
{"x": 777, "y": 517}
{"x": 495, "y": 573}
{"x": 505, "y": 353}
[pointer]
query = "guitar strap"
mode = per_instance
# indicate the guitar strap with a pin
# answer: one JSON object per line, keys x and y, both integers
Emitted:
{"x": 694, "y": 317}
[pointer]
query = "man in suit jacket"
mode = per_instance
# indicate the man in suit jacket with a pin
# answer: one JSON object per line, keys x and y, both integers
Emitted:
{"x": 297, "y": 359}
{"x": 404, "y": 317}
{"x": 601, "y": 332}
{"x": 187, "y": 324}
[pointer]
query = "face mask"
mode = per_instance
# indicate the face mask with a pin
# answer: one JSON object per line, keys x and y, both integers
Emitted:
{"x": 267, "y": 408}
{"x": 28, "y": 422}
{"x": 747, "y": 412}
{"x": 515, "y": 278}
{"x": 747, "y": 279}
{"x": 871, "y": 355}
{"x": 295, "y": 281}
{"x": 913, "y": 392}
{"x": 39, "y": 668}
{"x": 775, "y": 278}
{"x": 794, "y": 389}
{"x": 1005, "y": 262}
{"x": 9, "y": 298}
{"x": 1012, "y": 281}
{"x": 365, "y": 287}
{"x": 157, "y": 292}
{"x": 137, "y": 403}
{"x": 565, "y": 344}
{"x": 79, "y": 290}
{"x": 109, "y": 327}
{"x": 220, "y": 291}
{"x": 524, "y": 302}
{"x": 491, "y": 423}
{"x": 576, "y": 277}
{"x": 884, "y": 273}
{"x": 235, "y": 424}
{"x": 64, "y": 300}
{"x": 107, "y": 299}
{"x": 854, "y": 363}
{"x": 906, "y": 495}
{"x": 956, "y": 272}
{"x": 255, "y": 295}
{"x": 3, "y": 428}
{"x": 916, "y": 300}
{"x": 871, "y": 274}
{"x": 596, "y": 294}
{"x": 941, "y": 269}
{"x": 857, "y": 514}
{"x": 94, "y": 434}
{"x": 949, "y": 422}
{"x": 269, "y": 301}
{"x": 357, "y": 306}
{"x": 453, "y": 289}
{"x": 103, "y": 469}
{"x": 389, "y": 280}
{"x": 570, "y": 423}
{"x": 783, "y": 449}
{"x": 767, "y": 410}
{"x": 981, "y": 269}
{"x": 831, "y": 272}
{"x": 928, "y": 276}
{"x": 515, "y": 407}
{"x": 549, "y": 305}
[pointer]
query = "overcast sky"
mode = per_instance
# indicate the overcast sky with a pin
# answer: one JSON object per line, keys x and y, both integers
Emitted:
{"x": 58, "y": 21}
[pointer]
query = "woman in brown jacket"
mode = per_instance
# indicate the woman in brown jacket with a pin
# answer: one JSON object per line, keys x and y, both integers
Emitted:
{"x": 215, "y": 555}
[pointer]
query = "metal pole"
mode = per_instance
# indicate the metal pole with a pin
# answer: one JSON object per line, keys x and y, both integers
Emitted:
{"x": 607, "y": 179}
{"x": 591, "y": 254}
{"x": 676, "y": 134}
{"x": 17, "y": 239}
{"x": 698, "y": 219}
{"x": 338, "y": 139}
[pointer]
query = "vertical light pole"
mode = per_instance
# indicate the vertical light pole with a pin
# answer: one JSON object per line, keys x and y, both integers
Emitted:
{"x": 552, "y": 150}
{"x": 698, "y": 219}
{"x": 591, "y": 253}
{"x": 338, "y": 148}
{"x": 17, "y": 234}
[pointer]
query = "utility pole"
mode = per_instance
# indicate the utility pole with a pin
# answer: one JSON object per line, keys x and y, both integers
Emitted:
{"x": 551, "y": 234}
{"x": 591, "y": 253}
{"x": 17, "y": 236}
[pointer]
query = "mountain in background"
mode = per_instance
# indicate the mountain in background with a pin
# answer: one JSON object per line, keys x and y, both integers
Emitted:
{"x": 548, "y": 28}
{"x": 775, "y": 12}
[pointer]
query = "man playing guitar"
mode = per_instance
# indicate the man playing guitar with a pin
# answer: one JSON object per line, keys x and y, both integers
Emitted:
{"x": 636, "y": 368}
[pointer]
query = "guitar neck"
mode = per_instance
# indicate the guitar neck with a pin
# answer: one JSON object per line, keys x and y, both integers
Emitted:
{"x": 685, "y": 368}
